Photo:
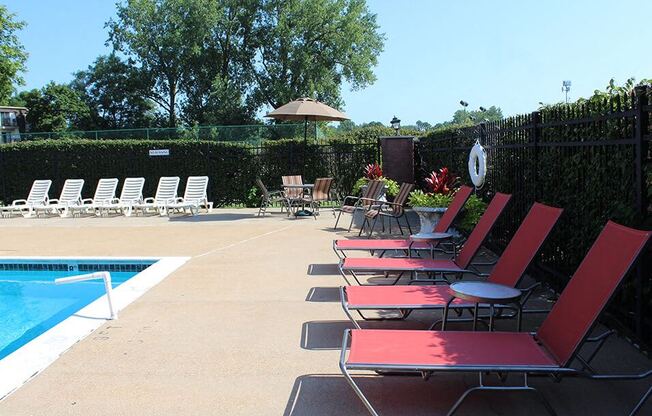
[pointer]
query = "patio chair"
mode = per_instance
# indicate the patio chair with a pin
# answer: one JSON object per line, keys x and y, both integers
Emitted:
{"x": 130, "y": 196}
{"x": 549, "y": 351}
{"x": 373, "y": 245}
{"x": 352, "y": 204}
{"x": 509, "y": 270}
{"x": 540, "y": 217}
{"x": 269, "y": 198}
{"x": 396, "y": 211}
{"x": 166, "y": 193}
{"x": 69, "y": 199}
{"x": 321, "y": 192}
{"x": 293, "y": 196}
{"x": 194, "y": 196}
{"x": 38, "y": 196}
{"x": 104, "y": 195}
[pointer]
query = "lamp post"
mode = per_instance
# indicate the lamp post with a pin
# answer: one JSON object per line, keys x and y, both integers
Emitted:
{"x": 396, "y": 124}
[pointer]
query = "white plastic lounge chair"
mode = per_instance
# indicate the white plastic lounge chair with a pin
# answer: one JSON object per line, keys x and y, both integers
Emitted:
{"x": 104, "y": 195}
{"x": 130, "y": 196}
{"x": 69, "y": 199}
{"x": 166, "y": 193}
{"x": 194, "y": 196}
{"x": 38, "y": 195}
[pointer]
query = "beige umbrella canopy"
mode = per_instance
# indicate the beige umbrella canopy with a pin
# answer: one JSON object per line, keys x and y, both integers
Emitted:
{"x": 307, "y": 109}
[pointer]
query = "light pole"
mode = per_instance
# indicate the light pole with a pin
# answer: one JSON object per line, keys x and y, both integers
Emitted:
{"x": 396, "y": 124}
{"x": 565, "y": 87}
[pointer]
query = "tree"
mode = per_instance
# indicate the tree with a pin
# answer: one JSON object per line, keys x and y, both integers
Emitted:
{"x": 12, "y": 54}
{"x": 55, "y": 107}
{"x": 220, "y": 61}
{"x": 115, "y": 94}
{"x": 423, "y": 125}
{"x": 462, "y": 117}
{"x": 307, "y": 48}
{"x": 164, "y": 37}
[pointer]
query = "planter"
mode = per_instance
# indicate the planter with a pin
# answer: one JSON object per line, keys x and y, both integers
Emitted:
{"x": 428, "y": 217}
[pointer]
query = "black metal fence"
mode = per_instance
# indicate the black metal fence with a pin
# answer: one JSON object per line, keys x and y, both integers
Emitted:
{"x": 591, "y": 159}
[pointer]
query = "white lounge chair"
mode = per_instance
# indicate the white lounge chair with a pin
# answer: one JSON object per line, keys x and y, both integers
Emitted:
{"x": 38, "y": 196}
{"x": 194, "y": 196}
{"x": 69, "y": 199}
{"x": 130, "y": 196}
{"x": 166, "y": 193}
{"x": 104, "y": 195}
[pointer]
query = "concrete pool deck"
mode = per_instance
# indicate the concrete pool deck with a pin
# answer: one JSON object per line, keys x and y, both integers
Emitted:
{"x": 251, "y": 324}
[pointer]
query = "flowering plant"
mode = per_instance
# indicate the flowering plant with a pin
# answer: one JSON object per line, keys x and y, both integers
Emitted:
{"x": 372, "y": 172}
{"x": 442, "y": 182}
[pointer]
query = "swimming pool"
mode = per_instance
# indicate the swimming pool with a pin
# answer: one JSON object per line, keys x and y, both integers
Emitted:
{"x": 31, "y": 303}
{"x": 40, "y": 320}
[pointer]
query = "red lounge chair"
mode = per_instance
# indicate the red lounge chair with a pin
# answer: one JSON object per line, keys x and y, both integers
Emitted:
{"x": 548, "y": 351}
{"x": 509, "y": 269}
{"x": 544, "y": 217}
{"x": 462, "y": 195}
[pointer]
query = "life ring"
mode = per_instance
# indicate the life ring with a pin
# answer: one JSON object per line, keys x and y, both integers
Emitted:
{"x": 477, "y": 165}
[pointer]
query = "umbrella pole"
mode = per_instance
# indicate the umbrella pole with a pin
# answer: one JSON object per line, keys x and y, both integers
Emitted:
{"x": 305, "y": 144}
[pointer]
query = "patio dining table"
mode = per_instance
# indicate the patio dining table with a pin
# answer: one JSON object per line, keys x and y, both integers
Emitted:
{"x": 309, "y": 186}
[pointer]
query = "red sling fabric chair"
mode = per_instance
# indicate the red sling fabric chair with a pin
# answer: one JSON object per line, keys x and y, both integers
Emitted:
{"x": 548, "y": 351}
{"x": 509, "y": 269}
{"x": 544, "y": 217}
{"x": 454, "y": 209}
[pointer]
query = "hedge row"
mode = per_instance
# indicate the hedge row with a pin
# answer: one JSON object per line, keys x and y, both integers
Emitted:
{"x": 232, "y": 168}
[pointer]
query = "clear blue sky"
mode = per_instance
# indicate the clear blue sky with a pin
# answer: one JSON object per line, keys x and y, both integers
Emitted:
{"x": 512, "y": 54}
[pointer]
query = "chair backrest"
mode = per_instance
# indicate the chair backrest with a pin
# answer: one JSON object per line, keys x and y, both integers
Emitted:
{"x": 263, "y": 188}
{"x": 167, "y": 188}
{"x": 525, "y": 244}
{"x": 401, "y": 198}
{"x": 610, "y": 258}
{"x": 322, "y": 189}
{"x": 105, "y": 190}
{"x": 71, "y": 191}
{"x": 372, "y": 192}
{"x": 482, "y": 229}
{"x": 293, "y": 180}
{"x": 454, "y": 209}
{"x": 38, "y": 194}
{"x": 195, "y": 188}
{"x": 132, "y": 190}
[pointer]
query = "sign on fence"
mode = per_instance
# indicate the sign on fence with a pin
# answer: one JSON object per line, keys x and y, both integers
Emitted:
{"x": 159, "y": 152}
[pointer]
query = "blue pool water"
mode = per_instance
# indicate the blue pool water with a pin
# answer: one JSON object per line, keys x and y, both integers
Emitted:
{"x": 30, "y": 302}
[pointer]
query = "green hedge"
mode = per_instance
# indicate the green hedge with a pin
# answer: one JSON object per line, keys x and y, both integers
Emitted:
{"x": 232, "y": 167}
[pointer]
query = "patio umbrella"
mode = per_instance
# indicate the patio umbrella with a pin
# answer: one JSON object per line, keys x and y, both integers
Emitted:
{"x": 306, "y": 109}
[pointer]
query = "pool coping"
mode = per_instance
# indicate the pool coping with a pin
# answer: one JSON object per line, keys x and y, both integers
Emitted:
{"x": 22, "y": 365}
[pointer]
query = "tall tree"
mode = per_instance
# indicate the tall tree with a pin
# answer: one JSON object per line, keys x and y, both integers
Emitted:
{"x": 310, "y": 47}
{"x": 163, "y": 37}
{"x": 55, "y": 107}
{"x": 220, "y": 61}
{"x": 114, "y": 91}
{"x": 12, "y": 54}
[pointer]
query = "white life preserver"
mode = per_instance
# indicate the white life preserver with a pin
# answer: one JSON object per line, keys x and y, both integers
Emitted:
{"x": 477, "y": 165}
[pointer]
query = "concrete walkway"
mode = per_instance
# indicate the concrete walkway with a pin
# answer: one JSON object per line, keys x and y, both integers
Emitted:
{"x": 251, "y": 325}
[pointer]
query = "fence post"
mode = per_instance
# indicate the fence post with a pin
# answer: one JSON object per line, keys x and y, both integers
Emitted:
{"x": 535, "y": 137}
{"x": 642, "y": 123}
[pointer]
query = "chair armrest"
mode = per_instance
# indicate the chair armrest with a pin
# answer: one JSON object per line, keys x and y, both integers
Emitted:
{"x": 149, "y": 200}
{"x": 87, "y": 201}
{"x": 19, "y": 202}
{"x": 53, "y": 201}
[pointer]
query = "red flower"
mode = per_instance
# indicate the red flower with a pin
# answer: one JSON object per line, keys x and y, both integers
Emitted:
{"x": 373, "y": 171}
{"x": 442, "y": 183}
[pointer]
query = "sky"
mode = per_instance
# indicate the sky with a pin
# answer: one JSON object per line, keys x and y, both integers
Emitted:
{"x": 512, "y": 54}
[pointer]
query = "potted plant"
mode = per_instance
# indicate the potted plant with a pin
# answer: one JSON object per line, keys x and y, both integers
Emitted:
{"x": 374, "y": 171}
{"x": 431, "y": 205}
